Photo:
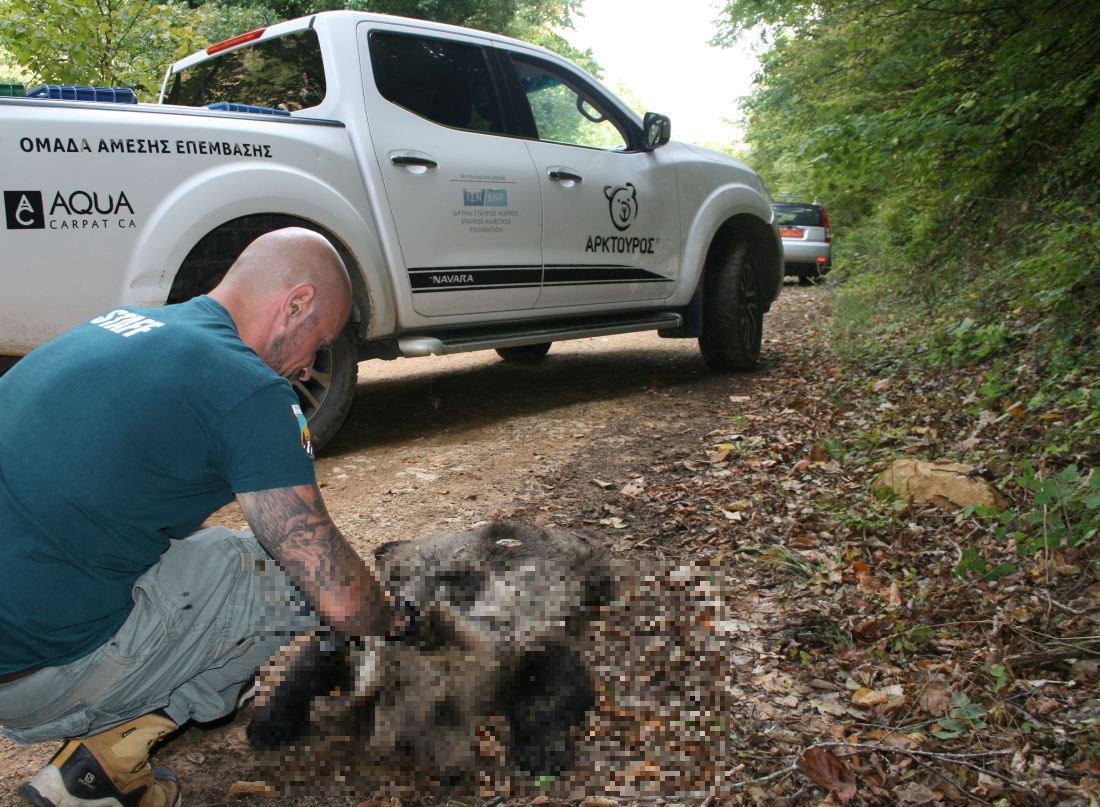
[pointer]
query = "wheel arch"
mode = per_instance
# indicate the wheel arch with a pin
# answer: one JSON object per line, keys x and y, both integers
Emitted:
{"x": 767, "y": 262}
{"x": 767, "y": 253}
{"x": 212, "y": 255}
{"x": 207, "y": 220}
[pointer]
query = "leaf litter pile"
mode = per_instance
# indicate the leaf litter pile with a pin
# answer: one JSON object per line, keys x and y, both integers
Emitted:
{"x": 782, "y": 633}
{"x": 811, "y": 641}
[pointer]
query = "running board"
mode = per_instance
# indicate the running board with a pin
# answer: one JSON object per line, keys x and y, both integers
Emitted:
{"x": 462, "y": 342}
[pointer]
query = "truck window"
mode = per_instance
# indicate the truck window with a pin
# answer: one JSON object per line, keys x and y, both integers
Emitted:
{"x": 562, "y": 110}
{"x": 445, "y": 81}
{"x": 282, "y": 73}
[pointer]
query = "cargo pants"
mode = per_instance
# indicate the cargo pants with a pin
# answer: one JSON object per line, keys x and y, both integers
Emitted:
{"x": 205, "y": 617}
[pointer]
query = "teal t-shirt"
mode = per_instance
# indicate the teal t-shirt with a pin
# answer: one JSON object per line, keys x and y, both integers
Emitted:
{"x": 116, "y": 438}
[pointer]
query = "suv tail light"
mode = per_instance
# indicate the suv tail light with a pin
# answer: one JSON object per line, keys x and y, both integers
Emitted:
{"x": 825, "y": 222}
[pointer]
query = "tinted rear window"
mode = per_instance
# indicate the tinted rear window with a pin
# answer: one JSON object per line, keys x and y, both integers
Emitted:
{"x": 802, "y": 215}
{"x": 444, "y": 81}
{"x": 283, "y": 73}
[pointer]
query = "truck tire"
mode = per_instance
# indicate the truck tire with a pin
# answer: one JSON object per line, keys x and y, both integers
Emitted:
{"x": 328, "y": 395}
{"x": 733, "y": 324}
{"x": 524, "y": 353}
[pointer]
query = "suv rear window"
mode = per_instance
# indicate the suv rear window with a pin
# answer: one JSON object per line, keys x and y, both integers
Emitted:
{"x": 282, "y": 73}
{"x": 804, "y": 215}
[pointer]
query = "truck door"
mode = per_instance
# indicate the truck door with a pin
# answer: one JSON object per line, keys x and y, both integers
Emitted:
{"x": 465, "y": 198}
{"x": 610, "y": 210}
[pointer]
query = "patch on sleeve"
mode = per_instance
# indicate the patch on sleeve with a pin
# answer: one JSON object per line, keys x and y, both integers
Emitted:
{"x": 303, "y": 426}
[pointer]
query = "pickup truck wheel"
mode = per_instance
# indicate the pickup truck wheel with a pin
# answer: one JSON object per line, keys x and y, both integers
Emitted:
{"x": 528, "y": 353}
{"x": 733, "y": 324}
{"x": 327, "y": 397}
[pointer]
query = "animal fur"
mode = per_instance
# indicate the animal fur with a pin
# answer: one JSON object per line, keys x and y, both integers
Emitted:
{"x": 501, "y": 607}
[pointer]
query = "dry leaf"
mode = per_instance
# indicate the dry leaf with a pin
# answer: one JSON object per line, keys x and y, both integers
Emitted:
{"x": 869, "y": 697}
{"x": 935, "y": 700}
{"x": 829, "y": 707}
{"x": 866, "y": 577}
{"x": 893, "y": 594}
{"x": 757, "y": 794}
{"x": 915, "y": 793}
{"x": 722, "y": 453}
{"x": 894, "y": 738}
{"x": 826, "y": 769}
{"x": 251, "y": 789}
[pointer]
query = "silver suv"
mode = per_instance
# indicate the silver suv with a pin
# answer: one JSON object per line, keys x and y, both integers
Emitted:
{"x": 807, "y": 245}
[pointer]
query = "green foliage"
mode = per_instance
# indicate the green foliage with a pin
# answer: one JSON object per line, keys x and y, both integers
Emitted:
{"x": 999, "y": 674}
{"x": 955, "y": 144}
{"x": 535, "y": 21}
{"x": 1061, "y": 510}
{"x": 965, "y": 717}
{"x": 131, "y": 42}
{"x": 100, "y": 42}
{"x": 973, "y": 563}
{"x": 972, "y": 343}
{"x": 911, "y": 640}
{"x": 920, "y": 120}
{"x": 11, "y": 72}
{"x": 1064, "y": 509}
{"x": 780, "y": 558}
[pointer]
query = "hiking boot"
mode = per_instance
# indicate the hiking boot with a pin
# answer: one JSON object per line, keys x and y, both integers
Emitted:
{"x": 108, "y": 770}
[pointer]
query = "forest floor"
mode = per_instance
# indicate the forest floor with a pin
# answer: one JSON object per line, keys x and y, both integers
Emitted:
{"x": 782, "y": 635}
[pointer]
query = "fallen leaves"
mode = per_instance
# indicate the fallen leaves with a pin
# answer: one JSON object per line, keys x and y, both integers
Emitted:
{"x": 827, "y": 770}
{"x": 251, "y": 789}
{"x": 869, "y": 697}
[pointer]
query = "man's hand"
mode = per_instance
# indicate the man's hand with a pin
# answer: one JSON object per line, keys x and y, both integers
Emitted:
{"x": 294, "y": 526}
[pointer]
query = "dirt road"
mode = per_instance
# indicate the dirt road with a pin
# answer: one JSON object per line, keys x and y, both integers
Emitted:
{"x": 444, "y": 443}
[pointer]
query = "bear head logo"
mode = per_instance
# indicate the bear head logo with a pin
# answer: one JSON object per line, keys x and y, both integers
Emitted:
{"x": 623, "y": 201}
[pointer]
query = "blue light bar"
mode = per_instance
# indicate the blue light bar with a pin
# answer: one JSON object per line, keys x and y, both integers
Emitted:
{"x": 66, "y": 92}
{"x": 223, "y": 106}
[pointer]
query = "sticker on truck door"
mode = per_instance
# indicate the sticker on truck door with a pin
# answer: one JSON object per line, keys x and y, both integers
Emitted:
{"x": 24, "y": 210}
{"x": 66, "y": 209}
{"x": 485, "y": 210}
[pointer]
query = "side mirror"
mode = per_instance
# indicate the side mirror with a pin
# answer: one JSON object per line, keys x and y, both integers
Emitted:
{"x": 657, "y": 130}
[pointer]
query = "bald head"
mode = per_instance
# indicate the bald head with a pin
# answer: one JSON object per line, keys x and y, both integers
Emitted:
{"x": 289, "y": 296}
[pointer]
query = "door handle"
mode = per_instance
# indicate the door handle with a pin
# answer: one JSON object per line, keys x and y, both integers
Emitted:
{"x": 415, "y": 161}
{"x": 565, "y": 176}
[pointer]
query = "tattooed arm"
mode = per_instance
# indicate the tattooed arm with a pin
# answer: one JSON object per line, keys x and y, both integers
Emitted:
{"x": 293, "y": 525}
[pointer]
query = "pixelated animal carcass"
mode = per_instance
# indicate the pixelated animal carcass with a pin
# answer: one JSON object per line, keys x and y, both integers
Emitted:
{"x": 501, "y": 607}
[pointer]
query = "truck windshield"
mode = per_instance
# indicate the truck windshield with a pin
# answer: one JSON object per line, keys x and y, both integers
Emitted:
{"x": 283, "y": 73}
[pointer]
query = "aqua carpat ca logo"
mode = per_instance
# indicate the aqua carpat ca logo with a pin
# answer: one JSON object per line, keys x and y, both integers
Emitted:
{"x": 23, "y": 210}
{"x": 78, "y": 209}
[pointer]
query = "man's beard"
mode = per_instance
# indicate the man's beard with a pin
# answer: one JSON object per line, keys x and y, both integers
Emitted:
{"x": 286, "y": 344}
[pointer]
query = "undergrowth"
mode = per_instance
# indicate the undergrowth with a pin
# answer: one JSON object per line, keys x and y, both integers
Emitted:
{"x": 1016, "y": 344}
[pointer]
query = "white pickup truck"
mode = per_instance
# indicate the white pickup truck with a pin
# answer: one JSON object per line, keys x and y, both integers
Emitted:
{"x": 483, "y": 192}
